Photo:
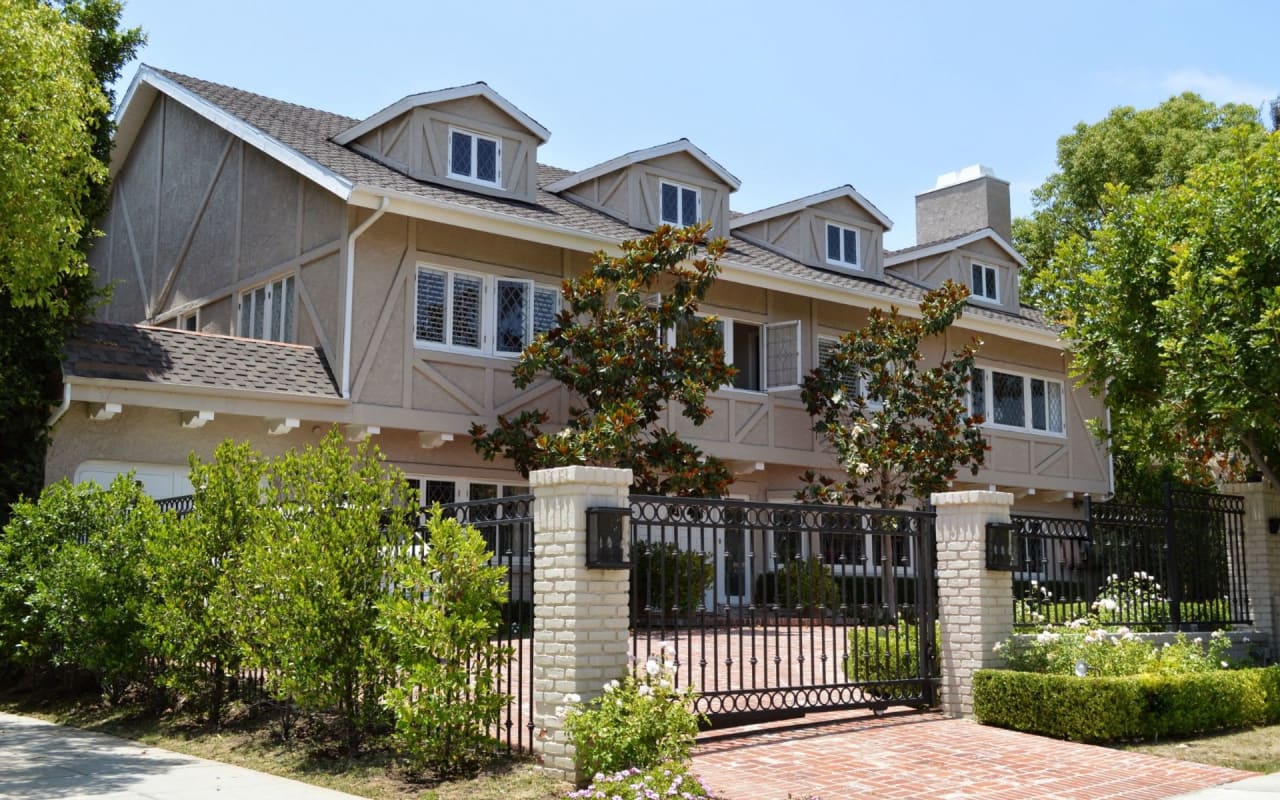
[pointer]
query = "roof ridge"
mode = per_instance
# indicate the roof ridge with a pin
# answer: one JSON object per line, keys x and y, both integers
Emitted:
{"x": 181, "y": 78}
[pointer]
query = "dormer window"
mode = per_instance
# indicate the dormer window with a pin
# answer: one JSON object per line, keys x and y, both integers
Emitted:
{"x": 842, "y": 246}
{"x": 475, "y": 158}
{"x": 984, "y": 283}
{"x": 680, "y": 204}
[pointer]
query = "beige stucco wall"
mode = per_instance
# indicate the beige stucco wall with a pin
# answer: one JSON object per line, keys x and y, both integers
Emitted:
{"x": 198, "y": 216}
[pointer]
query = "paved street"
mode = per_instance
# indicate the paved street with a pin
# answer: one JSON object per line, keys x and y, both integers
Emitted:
{"x": 43, "y": 761}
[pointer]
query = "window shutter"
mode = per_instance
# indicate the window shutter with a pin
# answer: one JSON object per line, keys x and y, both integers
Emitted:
{"x": 782, "y": 355}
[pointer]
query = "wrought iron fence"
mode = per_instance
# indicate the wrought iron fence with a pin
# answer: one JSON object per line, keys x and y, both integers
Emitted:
{"x": 1177, "y": 566}
{"x": 775, "y": 610}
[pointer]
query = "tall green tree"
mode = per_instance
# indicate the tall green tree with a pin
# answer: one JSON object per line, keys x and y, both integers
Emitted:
{"x": 1146, "y": 150}
{"x": 900, "y": 428}
{"x": 60, "y": 59}
{"x": 628, "y": 345}
{"x": 194, "y": 566}
{"x": 1173, "y": 304}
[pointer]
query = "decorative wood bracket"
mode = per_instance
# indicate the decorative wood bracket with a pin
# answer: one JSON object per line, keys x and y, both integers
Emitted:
{"x": 279, "y": 426}
{"x": 358, "y": 433}
{"x": 101, "y": 412}
{"x": 429, "y": 440}
{"x": 196, "y": 419}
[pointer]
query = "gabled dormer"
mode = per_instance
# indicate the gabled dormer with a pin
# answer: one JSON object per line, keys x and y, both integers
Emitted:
{"x": 672, "y": 184}
{"x": 837, "y": 230}
{"x": 469, "y": 137}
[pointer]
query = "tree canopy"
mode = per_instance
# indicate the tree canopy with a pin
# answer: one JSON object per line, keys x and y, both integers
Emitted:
{"x": 1146, "y": 150}
{"x": 627, "y": 344}
{"x": 1173, "y": 304}
{"x": 50, "y": 105}
{"x": 898, "y": 427}
{"x": 55, "y": 140}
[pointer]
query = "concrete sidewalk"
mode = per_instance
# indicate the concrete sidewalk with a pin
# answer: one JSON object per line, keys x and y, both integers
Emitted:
{"x": 1262, "y": 787}
{"x": 52, "y": 762}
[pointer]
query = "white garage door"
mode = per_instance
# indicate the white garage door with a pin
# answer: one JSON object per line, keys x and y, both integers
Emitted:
{"x": 158, "y": 480}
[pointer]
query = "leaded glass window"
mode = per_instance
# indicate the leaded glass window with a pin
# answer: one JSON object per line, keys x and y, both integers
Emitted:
{"x": 978, "y": 393}
{"x": 513, "y": 316}
{"x": 1046, "y": 405}
{"x": 842, "y": 245}
{"x": 983, "y": 282}
{"x": 782, "y": 356}
{"x": 546, "y": 305}
{"x": 678, "y": 205}
{"x": 1007, "y": 400}
{"x": 474, "y": 157}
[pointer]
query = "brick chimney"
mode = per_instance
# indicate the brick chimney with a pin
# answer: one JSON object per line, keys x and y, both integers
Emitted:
{"x": 961, "y": 202}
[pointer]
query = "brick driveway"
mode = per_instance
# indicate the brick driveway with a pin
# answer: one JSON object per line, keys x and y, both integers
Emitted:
{"x": 845, "y": 756}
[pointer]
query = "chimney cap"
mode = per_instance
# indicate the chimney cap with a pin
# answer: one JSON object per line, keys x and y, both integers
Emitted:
{"x": 969, "y": 173}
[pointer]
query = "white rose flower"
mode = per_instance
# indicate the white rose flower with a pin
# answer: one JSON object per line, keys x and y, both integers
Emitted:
{"x": 644, "y": 691}
{"x": 652, "y": 667}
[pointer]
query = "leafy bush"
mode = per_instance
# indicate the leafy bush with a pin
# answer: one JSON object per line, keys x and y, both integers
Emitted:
{"x": 641, "y": 721}
{"x": 668, "y": 580}
{"x": 1068, "y": 650}
{"x": 672, "y": 781}
{"x": 195, "y": 569}
{"x": 441, "y": 619}
{"x": 313, "y": 577}
{"x": 1127, "y": 707}
{"x": 71, "y": 576}
{"x": 806, "y": 585}
{"x": 886, "y": 653}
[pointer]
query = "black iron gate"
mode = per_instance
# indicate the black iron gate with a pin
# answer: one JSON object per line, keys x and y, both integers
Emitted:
{"x": 777, "y": 610}
{"x": 507, "y": 526}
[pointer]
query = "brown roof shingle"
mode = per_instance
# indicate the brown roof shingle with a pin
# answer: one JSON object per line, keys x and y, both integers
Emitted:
{"x": 310, "y": 131}
{"x": 166, "y": 356}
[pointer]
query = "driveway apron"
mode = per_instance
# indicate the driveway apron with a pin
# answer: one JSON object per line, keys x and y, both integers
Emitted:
{"x": 915, "y": 755}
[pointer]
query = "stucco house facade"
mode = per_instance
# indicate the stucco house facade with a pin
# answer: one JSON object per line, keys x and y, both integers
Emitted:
{"x": 279, "y": 270}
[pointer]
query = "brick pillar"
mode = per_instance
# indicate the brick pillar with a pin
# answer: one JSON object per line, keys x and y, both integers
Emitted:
{"x": 1261, "y": 557}
{"x": 580, "y": 614}
{"x": 975, "y": 605}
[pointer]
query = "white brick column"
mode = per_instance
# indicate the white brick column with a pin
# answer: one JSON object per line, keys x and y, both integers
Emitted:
{"x": 581, "y": 615}
{"x": 975, "y": 604}
{"x": 1261, "y": 557}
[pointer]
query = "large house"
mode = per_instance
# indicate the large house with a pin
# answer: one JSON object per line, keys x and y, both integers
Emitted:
{"x": 279, "y": 270}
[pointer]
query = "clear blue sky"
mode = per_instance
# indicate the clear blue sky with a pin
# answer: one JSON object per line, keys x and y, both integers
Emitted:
{"x": 793, "y": 97}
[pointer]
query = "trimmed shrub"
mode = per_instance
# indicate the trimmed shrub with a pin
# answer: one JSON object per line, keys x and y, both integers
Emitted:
{"x": 1127, "y": 707}
{"x": 668, "y": 581}
{"x": 885, "y": 653}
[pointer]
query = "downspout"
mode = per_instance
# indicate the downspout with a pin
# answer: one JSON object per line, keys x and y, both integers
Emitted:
{"x": 66, "y": 403}
{"x": 347, "y": 299}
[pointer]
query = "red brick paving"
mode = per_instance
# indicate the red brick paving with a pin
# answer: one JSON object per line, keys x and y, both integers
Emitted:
{"x": 843, "y": 756}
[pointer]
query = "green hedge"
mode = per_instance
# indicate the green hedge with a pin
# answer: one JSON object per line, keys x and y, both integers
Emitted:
{"x": 1130, "y": 707}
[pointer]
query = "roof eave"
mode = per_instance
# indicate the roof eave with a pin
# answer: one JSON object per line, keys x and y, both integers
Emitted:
{"x": 404, "y": 104}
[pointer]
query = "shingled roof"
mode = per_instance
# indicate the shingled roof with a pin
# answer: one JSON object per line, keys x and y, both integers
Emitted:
{"x": 165, "y": 356}
{"x": 310, "y": 132}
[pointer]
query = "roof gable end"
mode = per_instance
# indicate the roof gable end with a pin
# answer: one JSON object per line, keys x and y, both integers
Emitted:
{"x": 478, "y": 89}
{"x": 954, "y": 243}
{"x": 648, "y": 154}
{"x": 782, "y": 209}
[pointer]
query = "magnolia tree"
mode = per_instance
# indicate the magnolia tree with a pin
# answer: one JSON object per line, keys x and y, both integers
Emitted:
{"x": 900, "y": 429}
{"x": 628, "y": 344}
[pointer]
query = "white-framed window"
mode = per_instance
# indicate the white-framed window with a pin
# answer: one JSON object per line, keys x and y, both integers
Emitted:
{"x": 475, "y": 157}
{"x": 679, "y": 205}
{"x": 1022, "y": 402}
{"x": 984, "y": 282}
{"x": 477, "y": 313}
{"x": 508, "y": 542}
{"x": 189, "y": 321}
{"x": 767, "y": 356}
{"x": 842, "y": 246}
{"x": 266, "y": 311}
{"x": 860, "y": 548}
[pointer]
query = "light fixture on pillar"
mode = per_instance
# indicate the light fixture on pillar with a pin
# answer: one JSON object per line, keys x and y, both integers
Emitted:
{"x": 609, "y": 538}
{"x": 1000, "y": 546}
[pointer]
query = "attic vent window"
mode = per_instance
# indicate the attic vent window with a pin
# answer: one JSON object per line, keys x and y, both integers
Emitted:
{"x": 680, "y": 204}
{"x": 984, "y": 283}
{"x": 842, "y": 246}
{"x": 475, "y": 158}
